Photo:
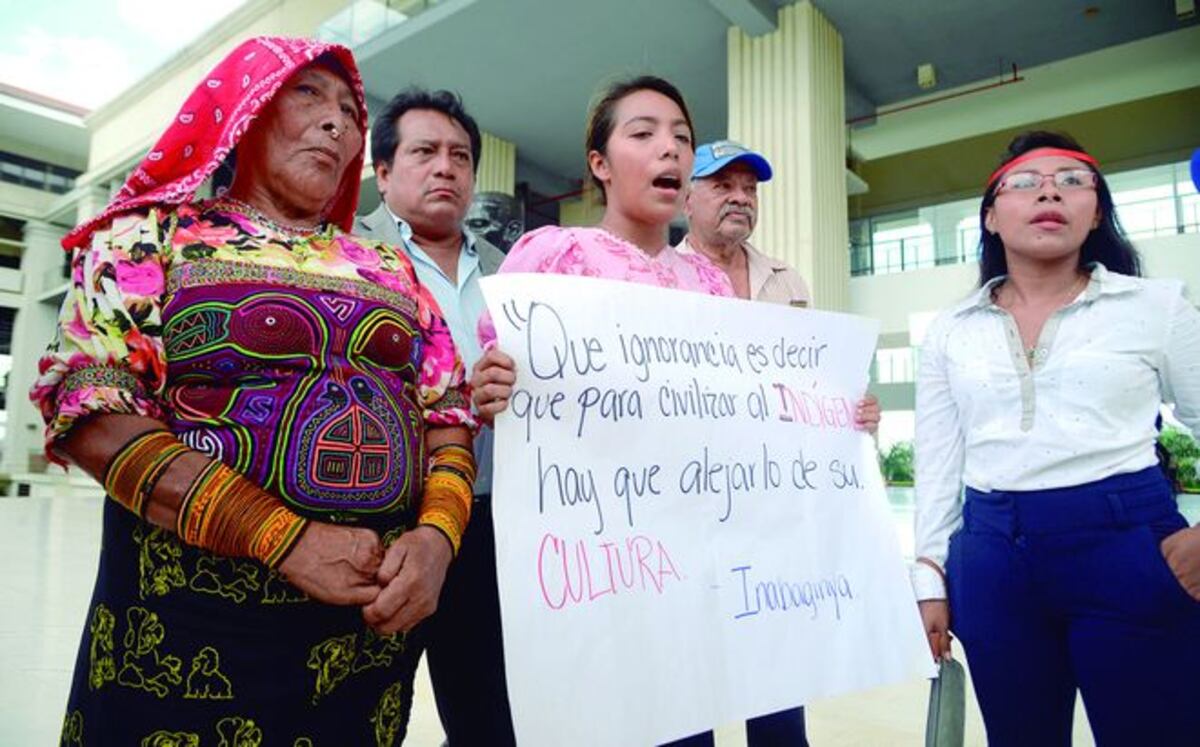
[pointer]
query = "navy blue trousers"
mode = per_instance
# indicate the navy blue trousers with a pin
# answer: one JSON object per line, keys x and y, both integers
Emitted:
{"x": 1060, "y": 590}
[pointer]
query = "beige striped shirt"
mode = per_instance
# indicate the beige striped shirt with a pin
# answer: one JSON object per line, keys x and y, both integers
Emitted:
{"x": 770, "y": 280}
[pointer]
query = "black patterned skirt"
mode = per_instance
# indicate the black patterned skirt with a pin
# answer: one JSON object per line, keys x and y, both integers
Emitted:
{"x": 183, "y": 648}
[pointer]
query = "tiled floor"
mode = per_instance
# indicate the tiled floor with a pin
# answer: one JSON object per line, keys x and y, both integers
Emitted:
{"x": 48, "y": 550}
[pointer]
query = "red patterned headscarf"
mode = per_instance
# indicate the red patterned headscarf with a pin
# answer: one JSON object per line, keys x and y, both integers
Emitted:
{"x": 215, "y": 117}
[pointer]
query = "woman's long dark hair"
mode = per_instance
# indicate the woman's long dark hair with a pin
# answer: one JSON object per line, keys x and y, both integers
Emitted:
{"x": 1106, "y": 243}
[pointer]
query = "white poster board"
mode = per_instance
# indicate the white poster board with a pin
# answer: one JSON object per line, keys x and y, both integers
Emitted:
{"x": 689, "y": 531}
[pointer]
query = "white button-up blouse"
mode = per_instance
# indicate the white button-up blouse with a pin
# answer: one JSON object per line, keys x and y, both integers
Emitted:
{"x": 1078, "y": 408}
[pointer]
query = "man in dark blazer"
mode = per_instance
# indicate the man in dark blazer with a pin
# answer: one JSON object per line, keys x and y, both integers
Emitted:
{"x": 425, "y": 148}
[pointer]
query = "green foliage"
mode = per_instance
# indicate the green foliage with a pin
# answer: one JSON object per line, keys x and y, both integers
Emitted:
{"x": 1178, "y": 443}
{"x": 1187, "y": 471}
{"x": 897, "y": 464}
{"x": 1184, "y": 457}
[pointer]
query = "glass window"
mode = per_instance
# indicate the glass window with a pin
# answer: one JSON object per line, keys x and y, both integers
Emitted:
{"x": 1189, "y": 201}
{"x": 967, "y": 238}
{"x": 903, "y": 241}
{"x": 1189, "y": 213}
{"x": 860, "y": 248}
{"x": 29, "y": 172}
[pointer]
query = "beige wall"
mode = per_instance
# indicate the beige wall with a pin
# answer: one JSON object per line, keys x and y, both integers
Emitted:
{"x": 23, "y": 202}
{"x": 1174, "y": 257}
{"x": 892, "y": 298}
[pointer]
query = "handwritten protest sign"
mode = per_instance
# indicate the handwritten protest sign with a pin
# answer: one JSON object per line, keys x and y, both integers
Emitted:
{"x": 689, "y": 531}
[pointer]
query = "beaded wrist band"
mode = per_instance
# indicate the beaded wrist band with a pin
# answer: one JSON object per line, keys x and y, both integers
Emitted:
{"x": 134, "y": 471}
{"x": 229, "y": 515}
{"x": 446, "y": 504}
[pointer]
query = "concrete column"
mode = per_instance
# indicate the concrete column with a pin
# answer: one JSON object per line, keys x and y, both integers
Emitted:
{"x": 787, "y": 101}
{"x": 95, "y": 198}
{"x": 42, "y": 258}
{"x": 32, "y": 331}
{"x": 497, "y": 166}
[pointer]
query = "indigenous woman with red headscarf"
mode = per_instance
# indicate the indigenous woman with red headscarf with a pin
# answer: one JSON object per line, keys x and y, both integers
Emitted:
{"x": 278, "y": 414}
{"x": 1066, "y": 566}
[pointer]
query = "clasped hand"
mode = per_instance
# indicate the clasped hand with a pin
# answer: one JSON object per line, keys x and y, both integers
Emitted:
{"x": 397, "y": 587}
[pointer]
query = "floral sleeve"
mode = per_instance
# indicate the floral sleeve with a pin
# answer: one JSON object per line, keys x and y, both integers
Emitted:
{"x": 442, "y": 385}
{"x": 107, "y": 355}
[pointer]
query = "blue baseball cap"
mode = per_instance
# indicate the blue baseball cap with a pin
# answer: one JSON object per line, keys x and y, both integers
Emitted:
{"x": 712, "y": 157}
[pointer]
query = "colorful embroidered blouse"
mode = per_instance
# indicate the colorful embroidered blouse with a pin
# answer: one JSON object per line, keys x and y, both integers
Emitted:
{"x": 307, "y": 362}
{"x": 594, "y": 252}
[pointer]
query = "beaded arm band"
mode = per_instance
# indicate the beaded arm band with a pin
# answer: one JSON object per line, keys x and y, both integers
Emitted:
{"x": 222, "y": 511}
{"x": 446, "y": 504}
{"x": 134, "y": 471}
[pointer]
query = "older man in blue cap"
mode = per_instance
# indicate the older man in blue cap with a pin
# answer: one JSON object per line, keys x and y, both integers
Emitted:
{"x": 722, "y": 209}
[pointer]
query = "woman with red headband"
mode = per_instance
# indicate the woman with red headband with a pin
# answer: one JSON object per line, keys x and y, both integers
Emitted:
{"x": 1068, "y": 565}
{"x": 278, "y": 415}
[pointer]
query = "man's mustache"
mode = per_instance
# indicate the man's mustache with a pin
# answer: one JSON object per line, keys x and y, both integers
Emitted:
{"x": 738, "y": 209}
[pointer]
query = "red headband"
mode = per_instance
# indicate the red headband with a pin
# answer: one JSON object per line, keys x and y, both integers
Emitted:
{"x": 1041, "y": 153}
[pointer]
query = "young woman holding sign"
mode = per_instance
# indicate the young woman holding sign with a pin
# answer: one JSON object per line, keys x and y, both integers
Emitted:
{"x": 1068, "y": 565}
{"x": 640, "y": 151}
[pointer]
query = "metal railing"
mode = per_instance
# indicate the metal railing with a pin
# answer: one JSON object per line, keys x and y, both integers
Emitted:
{"x": 1160, "y": 216}
{"x": 898, "y": 255}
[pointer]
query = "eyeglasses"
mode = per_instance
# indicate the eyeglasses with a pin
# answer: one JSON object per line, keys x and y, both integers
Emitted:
{"x": 1029, "y": 181}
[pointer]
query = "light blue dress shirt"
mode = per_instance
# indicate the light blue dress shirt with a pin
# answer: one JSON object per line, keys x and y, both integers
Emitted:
{"x": 461, "y": 302}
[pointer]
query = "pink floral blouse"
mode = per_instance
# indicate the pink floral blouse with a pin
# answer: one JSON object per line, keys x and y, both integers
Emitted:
{"x": 594, "y": 252}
